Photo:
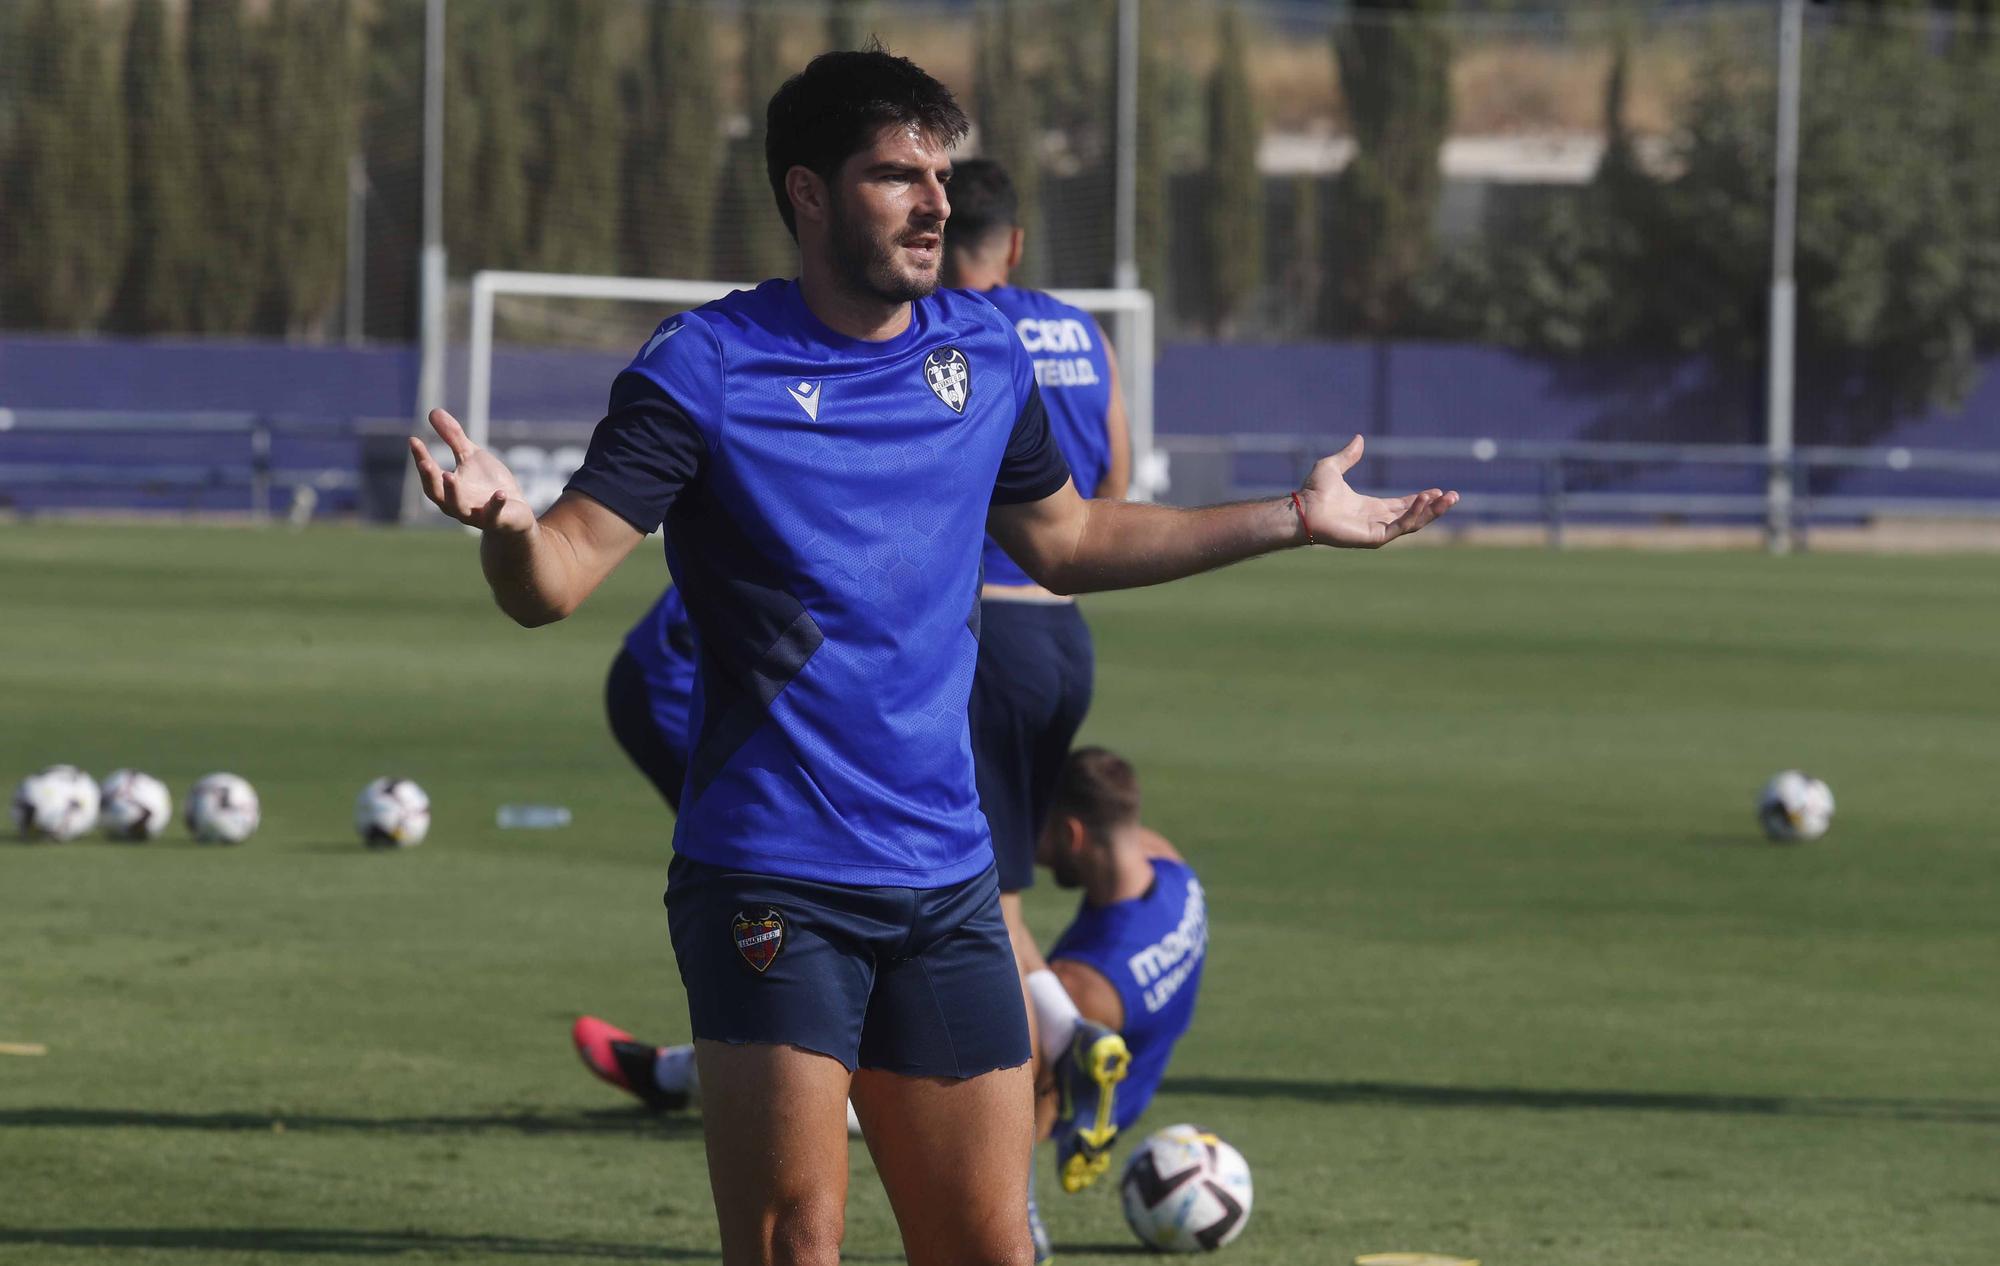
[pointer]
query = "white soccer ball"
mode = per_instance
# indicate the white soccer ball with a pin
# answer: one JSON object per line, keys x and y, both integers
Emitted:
{"x": 222, "y": 809}
{"x": 392, "y": 813}
{"x": 1186, "y": 1191}
{"x": 136, "y": 805}
{"x": 59, "y": 804}
{"x": 1795, "y": 806}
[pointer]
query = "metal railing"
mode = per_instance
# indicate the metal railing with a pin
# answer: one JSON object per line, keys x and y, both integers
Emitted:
{"x": 1557, "y": 498}
{"x": 254, "y": 472}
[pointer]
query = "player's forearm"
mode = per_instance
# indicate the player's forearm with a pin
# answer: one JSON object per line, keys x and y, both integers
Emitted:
{"x": 531, "y": 574}
{"x": 1124, "y": 544}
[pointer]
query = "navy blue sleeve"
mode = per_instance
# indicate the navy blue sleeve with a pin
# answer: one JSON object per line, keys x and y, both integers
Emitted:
{"x": 642, "y": 455}
{"x": 1033, "y": 467}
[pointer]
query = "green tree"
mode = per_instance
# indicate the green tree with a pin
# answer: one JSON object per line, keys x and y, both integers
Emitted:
{"x": 1009, "y": 112}
{"x": 1234, "y": 210}
{"x": 847, "y": 24}
{"x": 392, "y": 158}
{"x": 674, "y": 155}
{"x": 576, "y": 230}
{"x": 156, "y": 295}
{"x": 751, "y": 241}
{"x": 226, "y": 81}
{"x": 309, "y": 131}
{"x": 1150, "y": 183}
{"x": 1394, "y": 58}
{"x": 486, "y": 190}
{"x": 64, "y": 231}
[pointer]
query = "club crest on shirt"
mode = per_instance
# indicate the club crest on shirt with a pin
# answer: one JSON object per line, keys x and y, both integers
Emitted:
{"x": 759, "y": 936}
{"x": 949, "y": 376}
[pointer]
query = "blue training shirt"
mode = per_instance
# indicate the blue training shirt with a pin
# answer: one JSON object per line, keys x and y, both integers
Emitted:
{"x": 825, "y": 499}
{"x": 1075, "y": 380}
{"x": 662, "y": 645}
{"x": 1151, "y": 949}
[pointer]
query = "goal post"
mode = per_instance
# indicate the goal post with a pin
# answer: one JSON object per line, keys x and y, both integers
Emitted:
{"x": 1127, "y": 316}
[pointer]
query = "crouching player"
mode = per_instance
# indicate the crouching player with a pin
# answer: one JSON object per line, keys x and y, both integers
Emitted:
{"x": 1131, "y": 958}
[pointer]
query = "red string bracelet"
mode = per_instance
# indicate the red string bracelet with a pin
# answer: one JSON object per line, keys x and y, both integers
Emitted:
{"x": 1300, "y": 508}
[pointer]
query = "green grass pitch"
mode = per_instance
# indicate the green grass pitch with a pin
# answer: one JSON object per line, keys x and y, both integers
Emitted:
{"x": 1500, "y": 966}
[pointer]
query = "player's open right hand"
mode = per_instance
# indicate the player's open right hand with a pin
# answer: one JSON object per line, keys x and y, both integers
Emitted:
{"x": 481, "y": 492}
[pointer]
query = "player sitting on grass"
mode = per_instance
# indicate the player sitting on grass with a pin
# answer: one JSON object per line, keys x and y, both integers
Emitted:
{"x": 1131, "y": 958}
{"x": 827, "y": 454}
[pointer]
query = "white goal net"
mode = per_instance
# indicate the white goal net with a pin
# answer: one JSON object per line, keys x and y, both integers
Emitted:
{"x": 543, "y": 348}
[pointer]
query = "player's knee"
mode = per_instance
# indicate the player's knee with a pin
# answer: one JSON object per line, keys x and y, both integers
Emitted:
{"x": 807, "y": 1233}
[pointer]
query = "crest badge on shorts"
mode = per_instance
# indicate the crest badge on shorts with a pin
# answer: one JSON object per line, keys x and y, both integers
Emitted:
{"x": 759, "y": 936}
{"x": 949, "y": 376}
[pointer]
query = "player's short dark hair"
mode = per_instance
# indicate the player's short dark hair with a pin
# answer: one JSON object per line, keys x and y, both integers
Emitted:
{"x": 1097, "y": 787}
{"x": 832, "y": 110}
{"x": 982, "y": 200}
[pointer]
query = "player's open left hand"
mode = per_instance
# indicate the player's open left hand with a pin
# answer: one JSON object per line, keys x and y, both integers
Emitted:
{"x": 1335, "y": 514}
{"x": 481, "y": 492}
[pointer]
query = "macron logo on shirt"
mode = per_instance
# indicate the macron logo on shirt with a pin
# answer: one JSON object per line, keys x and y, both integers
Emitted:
{"x": 807, "y": 394}
{"x": 654, "y": 345}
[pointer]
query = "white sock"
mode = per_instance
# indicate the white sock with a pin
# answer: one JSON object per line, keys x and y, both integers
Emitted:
{"x": 674, "y": 1071}
{"x": 1055, "y": 1015}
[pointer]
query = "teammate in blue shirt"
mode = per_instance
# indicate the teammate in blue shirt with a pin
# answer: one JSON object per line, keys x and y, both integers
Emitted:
{"x": 824, "y": 453}
{"x": 1032, "y": 685}
{"x": 649, "y": 692}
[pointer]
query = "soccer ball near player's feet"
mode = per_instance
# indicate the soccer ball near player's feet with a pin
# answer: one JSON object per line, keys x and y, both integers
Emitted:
{"x": 58, "y": 804}
{"x": 392, "y": 813}
{"x": 222, "y": 809}
{"x": 136, "y": 805}
{"x": 1186, "y": 1191}
{"x": 1794, "y": 807}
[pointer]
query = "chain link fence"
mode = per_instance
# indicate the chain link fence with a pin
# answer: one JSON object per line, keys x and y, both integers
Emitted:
{"x": 1520, "y": 223}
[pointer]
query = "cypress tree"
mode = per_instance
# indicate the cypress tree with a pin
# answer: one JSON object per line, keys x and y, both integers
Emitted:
{"x": 847, "y": 23}
{"x": 577, "y": 228}
{"x": 486, "y": 192}
{"x": 66, "y": 224}
{"x": 1150, "y": 183}
{"x": 673, "y": 159}
{"x": 751, "y": 241}
{"x": 391, "y": 137}
{"x": 160, "y": 268}
{"x": 1009, "y": 112}
{"x": 308, "y": 123}
{"x": 224, "y": 83}
{"x": 1395, "y": 74}
{"x": 1235, "y": 207}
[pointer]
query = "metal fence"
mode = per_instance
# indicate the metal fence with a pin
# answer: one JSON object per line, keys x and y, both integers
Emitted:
{"x": 1586, "y": 190}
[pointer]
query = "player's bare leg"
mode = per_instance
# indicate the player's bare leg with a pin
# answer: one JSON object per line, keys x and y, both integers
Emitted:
{"x": 762, "y": 1105}
{"x": 953, "y": 1156}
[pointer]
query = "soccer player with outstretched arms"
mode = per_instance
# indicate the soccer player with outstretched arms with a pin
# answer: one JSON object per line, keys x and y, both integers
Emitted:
{"x": 824, "y": 453}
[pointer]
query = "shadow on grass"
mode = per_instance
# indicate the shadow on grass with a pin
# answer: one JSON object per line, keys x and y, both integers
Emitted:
{"x": 343, "y": 1243}
{"x": 1955, "y": 1111}
{"x": 622, "y": 1121}
{"x": 1128, "y": 1248}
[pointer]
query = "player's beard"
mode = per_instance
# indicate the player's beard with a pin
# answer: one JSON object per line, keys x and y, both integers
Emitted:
{"x": 868, "y": 264}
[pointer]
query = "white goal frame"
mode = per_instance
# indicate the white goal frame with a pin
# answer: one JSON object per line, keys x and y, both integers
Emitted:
{"x": 1130, "y": 315}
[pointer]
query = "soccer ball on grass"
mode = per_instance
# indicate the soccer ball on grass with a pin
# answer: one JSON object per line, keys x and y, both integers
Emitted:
{"x": 222, "y": 809}
{"x": 1795, "y": 807}
{"x": 58, "y": 804}
{"x": 1185, "y": 1191}
{"x": 136, "y": 805}
{"x": 392, "y": 813}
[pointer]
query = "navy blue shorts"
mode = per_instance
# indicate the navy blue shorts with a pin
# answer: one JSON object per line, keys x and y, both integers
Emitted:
{"x": 628, "y": 707}
{"x": 918, "y": 981}
{"x": 1029, "y": 695}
